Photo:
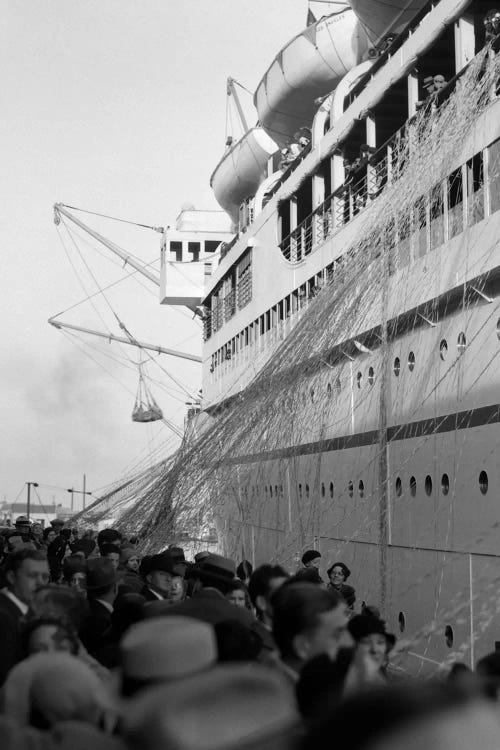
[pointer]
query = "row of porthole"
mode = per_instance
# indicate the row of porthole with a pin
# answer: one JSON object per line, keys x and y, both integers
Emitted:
{"x": 305, "y": 490}
{"x": 449, "y": 635}
{"x": 445, "y": 484}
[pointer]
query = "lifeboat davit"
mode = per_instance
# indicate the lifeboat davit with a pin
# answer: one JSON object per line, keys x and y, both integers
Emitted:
{"x": 380, "y": 18}
{"x": 308, "y": 67}
{"x": 241, "y": 170}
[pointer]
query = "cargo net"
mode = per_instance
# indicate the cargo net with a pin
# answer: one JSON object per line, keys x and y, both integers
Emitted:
{"x": 309, "y": 454}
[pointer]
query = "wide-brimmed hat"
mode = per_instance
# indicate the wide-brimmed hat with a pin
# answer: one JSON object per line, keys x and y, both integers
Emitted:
{"x": 228, "y": 707}
{"x": 215, "y": 569}
{"x": 167, "y": 648}
{"x": 165, "y": 562}
{"x": 310, "y": 555}
{"x": 100, "y": 573}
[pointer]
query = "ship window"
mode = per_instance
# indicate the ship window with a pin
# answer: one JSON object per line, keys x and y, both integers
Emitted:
{"x": 443, "y": 349}
{"x": 411, "y": 361}
{"x": 461, "y": 342}
{"x": 445, "y": 484}
{"x": 359, "y": 378}
{"x": 275, "y": 490}
{"x": 338, "y": 384}
{"x": 448, "y": 636}
{"x": 483, "y": 482}
{"x": 402, "y": 622}
{"x": 475, "y": 189}
{"x": 300, "y": 490}
{"x": 437, "y": 217}
{"x": 176, "y": 251}
{"x": 397, "y": 366}
{"x": 329, "y": 390}
{"x": 361, "y": 488}
{"x": 371, "y": 375}
{"x": 331, "y": 489}
{"x": 194, "y": 249}
{"x": 211, "y": 245}
{"x": 420, "y": 227}
{"x": 322, "y": 489}
{"x": 265, "y": 491}
{"x": 350, "y": 488}
{"x": 307, "y": 490}
{"x": 428, "y": 484}
{"x": 399, "y": 487}
{"x": 494, "y": 175}
{"x": 270, "y": 491}
{"x": 413, "y": 486}
{"x": 455, "y": 203}
{"x": 498, "y": 328}
{"x": 312, "y": 395}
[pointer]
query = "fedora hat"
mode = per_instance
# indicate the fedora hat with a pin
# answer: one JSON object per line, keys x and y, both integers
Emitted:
{"x": 165, "y": 562}
{"x": 167, "y": 648}
{"x": 229, "y": 707}
{"x": 215, "y": 569}
{"x": 100, "y": 573}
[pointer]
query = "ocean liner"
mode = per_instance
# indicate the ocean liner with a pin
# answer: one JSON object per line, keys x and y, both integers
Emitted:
{"x": 352, "y": 323}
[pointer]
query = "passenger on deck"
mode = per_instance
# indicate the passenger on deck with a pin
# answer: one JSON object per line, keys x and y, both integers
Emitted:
{"x": 338, "y": 573}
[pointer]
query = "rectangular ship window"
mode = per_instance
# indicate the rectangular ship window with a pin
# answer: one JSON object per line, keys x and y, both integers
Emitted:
{"x": 194, "y": 249}
{"x": 176, "y": 251}
{"x": 494, "y": 176}
{"x": 455, "y": 203}
{"x": 475, "y": 189}
{"x": 420, "y": 227}
{"x": 437, "y": 216}
{"x": 244, "y": 279}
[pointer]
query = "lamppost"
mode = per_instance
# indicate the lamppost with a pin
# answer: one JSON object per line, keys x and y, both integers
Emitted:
{"x": 29, "y": 485}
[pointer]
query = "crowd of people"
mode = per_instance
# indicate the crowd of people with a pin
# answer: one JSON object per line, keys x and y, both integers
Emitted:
{"x": 104, "y": 647}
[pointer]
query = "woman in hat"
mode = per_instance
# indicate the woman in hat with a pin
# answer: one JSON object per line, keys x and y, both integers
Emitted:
{"x": 338, "y": 573}
{"x": 373, "y": 645}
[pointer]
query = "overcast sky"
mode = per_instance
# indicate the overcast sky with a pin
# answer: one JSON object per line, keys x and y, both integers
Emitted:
{"x": 117, "y": 106}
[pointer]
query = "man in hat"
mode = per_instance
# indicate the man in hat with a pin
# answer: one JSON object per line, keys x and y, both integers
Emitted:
{"x": 162, "y": 572}
{"x": 102, "y": 588}
{"x": 213, "y": 578}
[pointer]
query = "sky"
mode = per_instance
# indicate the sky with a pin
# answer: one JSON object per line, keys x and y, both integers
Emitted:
{"x": 117, "y": 107}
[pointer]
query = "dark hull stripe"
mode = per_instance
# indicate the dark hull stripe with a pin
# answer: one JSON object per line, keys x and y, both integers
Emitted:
{"x": 460, "y": 420}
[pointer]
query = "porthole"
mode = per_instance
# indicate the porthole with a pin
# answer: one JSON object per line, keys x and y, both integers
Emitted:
{"x": 498, "y": 328}
{"x": 300, "y": 490}
{"x": 281, "y": 490}
{"x": 265, "y": 490}
{"x": 322, "y": 489}
{"x": 399, "y": 487}
{"x": 331, "y": 490}
{"x": 443, "y": 349}
{"x": 483, "y": 482}
{"x": 449, "y": 636}
{"x": 361, "y": 488}
{"x": 359, "y": 378}
{"x": 402, "y": 622}
{"x": 411, "y": 361}
{"x": 307, "y": 490}
{"x": 397, "y": 367}
{"x": 312, "y": 394}
{"x": 329, "y": 390}
{"x": 270, "y": 491}
{"x": 445, "y": 484}
{"x": 413, "y": 486}
{"x": 371, "y": 375}
{"x": 428, "y": 485}
{"x": 461, "y": 342}
{"x": 350, "y": 488}
{"x": 275, "y": 490}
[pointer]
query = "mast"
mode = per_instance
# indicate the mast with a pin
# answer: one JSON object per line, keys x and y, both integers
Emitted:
{"x": 123, "y": 340}
{"x": 60, "y": 209}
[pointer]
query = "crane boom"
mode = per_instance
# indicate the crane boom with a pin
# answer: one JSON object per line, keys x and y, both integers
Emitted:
{"x": 59, "y": 208}
{"x": 123, "y": 340}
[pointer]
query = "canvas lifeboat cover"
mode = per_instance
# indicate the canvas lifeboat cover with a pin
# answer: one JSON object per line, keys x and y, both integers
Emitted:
{"x": 241, "y": 170}
{"x": 380, "y": 18}
{"x": 308, "y": 67}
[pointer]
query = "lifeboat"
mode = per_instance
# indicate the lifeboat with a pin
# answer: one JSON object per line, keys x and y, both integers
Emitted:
{"x": 241, "y": 170}
{"x": 380, "y": 18}
{"x": 308, "y": 67}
